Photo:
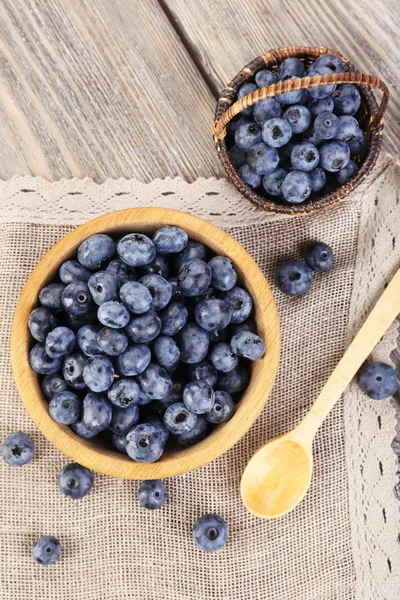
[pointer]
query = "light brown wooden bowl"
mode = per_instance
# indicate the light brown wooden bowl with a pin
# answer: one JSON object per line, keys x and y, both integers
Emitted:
{"x": 91, "y": 453}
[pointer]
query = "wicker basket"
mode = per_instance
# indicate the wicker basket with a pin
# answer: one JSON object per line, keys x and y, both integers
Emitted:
{"x": 370, "y": 117}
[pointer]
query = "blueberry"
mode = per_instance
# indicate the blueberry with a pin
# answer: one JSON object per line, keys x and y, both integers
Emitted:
{"x": 158, "y": 266}
{"x": 136, "y": 296}
{"x": 332, "y": 62}
{"x": 124, "y": 392}
{"x": 348, "y": 128}
{"x": 358, "y": 144}
{"x": 247, "y": 135}
{"x": 95, "y": 251}
{"x": 113, "y": 314}
{"x": 65, "y": 408}
{"x": 326, "y": 125}
{"x": 347, "y": 99}
{"x": 310, "y": 136}
{"x": 276, "y": 132}
{"x": 71, "y": 271}
{"x": 52, "y": 384}
{"x": 17, "y": 449}
{"x": 265, "y": 77}
{"x": 152, "y": 494}
{"x": 233, "y": 125}
{"x": 262, "y": 159}
{"x": 77, "y": 299}
{"x": 119, "y": 442}
{"x": 322, "y": 91}
{"x": 41, "y": 363}
{"x": 159, "y": 407}
{"x": 237, "y": 156}
{"x": 80, "y": 429}
{"x": 193, "y": 250}
{"x": 170, "y": 240}
{"x": 293, "y": 277}
{"x": 50, "y": 296}
{"x": 60, "y": 342}
{"x": 222, "y": 358}
{"x": 104, "y": 286}
{"x": 318, "y": 105}
{"x": 223, "y": 409}
{"x": 213, "y": 314}
{"x": 160, "y": 290}
{"x": 193, "y": 342}
{"x": 266, "y": 109}
{"x": 299, "y": 117}
{"x": 240, "y": 304}
{"x": 318, "y": 179}
{"x": 178, "y": 419}
{"x": 347, "y": 172}
{"x": 247, "y": 344}
{"x": 173, "y": 318}
{"x": 198, "y": 397}
{"x": 204, "y": 371}
{"x": 195, "y": 435}
{"x": 97, "y": 412}
{"x": 291, "y": 66}
{"x": 272, "y": 182}
{"x": 144, "y": 443}
{"x": 46, "y": 550}
{"x": 98, "y": 373}
{"x": 210, "y": 532}
{"x": 75, "y": 481}
{"x": 235, "y": 381}
{"x": 144, "y": 328}
{"x": 87, "y": 340}
{"x": 123, "y": 419}
{"x": 136, "y": 249}
{"x": 155, "y": 382}
{"x": 134, "y": 360}
{"x": 319, "y": 257}
{"x": 159, "y": 423}
{"x": 243, "y": 91}
{"x": 123, "y": 271}
{"x": 112, "y": 341}
{"x": 378, "y": 380}
{"x": 41, "y": 321}
{"x": 166, "y": 351}
{"x": 248, "y": 325}
{"x": 305, "y": 157}
{"x": 334, "y": 155}
{"x": 295, "y": 97}
{"x": 250, "y": 178}
{"x": 296, "y": 187}
{"x": 73, "y": 370}
{"x": 223, "y": 274}
{"x": 194, "y": 277}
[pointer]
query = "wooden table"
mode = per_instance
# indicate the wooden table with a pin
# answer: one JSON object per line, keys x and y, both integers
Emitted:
{"x": 127, "y": 88}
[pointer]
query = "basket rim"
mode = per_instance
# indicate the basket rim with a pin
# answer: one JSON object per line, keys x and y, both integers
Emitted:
{"x": 229, "y": 94}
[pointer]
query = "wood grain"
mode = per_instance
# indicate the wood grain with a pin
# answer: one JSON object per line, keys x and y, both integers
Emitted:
{"x": 89, "y": 452}
{"x": 279, "y": 474}
{"x": 100, "y": 88}
{"x": 224, "y": 36}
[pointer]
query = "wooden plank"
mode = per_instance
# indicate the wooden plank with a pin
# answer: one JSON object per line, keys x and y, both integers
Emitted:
{"x": 100, "y": 88}
{"x": 225, "y": 35}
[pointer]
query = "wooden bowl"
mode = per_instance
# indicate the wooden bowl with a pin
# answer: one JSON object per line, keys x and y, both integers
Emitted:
{"x": 91, "y": 453}
{"x": 369, "y": 116}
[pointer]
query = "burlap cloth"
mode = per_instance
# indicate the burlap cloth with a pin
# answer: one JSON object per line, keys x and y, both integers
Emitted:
{"x": 340, "y": 543}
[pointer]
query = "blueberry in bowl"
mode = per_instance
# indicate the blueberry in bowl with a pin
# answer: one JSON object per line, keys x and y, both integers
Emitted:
{"x": 169, "y": 366}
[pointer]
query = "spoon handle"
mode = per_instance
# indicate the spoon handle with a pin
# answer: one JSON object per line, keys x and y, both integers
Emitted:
{"x": 380, "y": 318}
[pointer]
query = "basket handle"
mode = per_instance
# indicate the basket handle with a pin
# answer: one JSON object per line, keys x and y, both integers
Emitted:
{"x": 300, "y": 83}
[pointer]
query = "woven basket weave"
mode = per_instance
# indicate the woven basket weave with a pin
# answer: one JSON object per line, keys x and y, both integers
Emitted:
{"x": 370, "y": 117}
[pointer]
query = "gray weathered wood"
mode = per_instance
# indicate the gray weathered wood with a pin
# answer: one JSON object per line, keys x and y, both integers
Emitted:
{"x": 100, "y": 88}
{"x": 225, "y": 35}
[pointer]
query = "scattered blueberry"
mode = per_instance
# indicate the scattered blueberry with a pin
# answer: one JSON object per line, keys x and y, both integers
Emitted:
{"x": 97, "y": 412}
{"x": 247, "y": 344}
{"x": 17, "y": 449}
{"x": 124, "y": 392}
{"x": 98, "y": 373}
{"x": 46, "y": 550}
{"x": 293, "y": 277}
{"x": 223, "y": 409}
{"x": 65, "y": 407}
{"x": 75, "y": 481}
{"x": 152, "y": 494}
{"x": 319, "y": 257}
{"x": 41, "y": 321}
{"x": 378, "y": 380}
{"x": 210, "y": 533}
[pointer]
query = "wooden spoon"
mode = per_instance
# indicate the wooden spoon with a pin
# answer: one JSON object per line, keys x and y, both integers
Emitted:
{"x": 279, "y": 474}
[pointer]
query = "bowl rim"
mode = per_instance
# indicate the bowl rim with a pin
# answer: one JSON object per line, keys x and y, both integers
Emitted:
{"x": 264, "y": 371}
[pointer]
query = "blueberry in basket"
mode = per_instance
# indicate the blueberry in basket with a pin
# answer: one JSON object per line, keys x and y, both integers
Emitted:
{"x": 285, "y": 146}
{"x": 147, "y": 342}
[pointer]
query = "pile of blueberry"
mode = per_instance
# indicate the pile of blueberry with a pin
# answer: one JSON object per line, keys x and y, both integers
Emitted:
{"x": 299, "y": 144}
{"x": 144, "y": 339}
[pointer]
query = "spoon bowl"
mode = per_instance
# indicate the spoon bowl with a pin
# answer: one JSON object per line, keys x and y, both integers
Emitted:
{"x": 277, "y": 477}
